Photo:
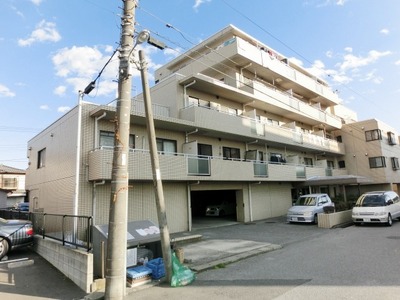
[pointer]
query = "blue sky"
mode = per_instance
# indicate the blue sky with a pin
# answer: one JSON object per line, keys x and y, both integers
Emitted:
{"x": 50, "y": 49}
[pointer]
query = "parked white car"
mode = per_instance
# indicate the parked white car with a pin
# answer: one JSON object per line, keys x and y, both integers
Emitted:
{"x": 307, "y": 208}
{"x": 376, "y": 207}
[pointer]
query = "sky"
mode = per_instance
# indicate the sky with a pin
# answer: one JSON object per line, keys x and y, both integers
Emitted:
{"x": 51, "y": 49}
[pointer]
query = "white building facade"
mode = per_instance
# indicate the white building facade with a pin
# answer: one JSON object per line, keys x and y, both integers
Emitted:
{"x": 234, "y": 121}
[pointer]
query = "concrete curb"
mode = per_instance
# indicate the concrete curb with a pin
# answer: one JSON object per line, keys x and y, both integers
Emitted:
{"x": 234, "y": 258}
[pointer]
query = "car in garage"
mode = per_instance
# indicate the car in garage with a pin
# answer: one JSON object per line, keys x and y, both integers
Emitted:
{"x": 307, "y": 207}
{"x": 376, "y": 207}
{"x": 224, "y": 208}
{"x": 14, "y": 234}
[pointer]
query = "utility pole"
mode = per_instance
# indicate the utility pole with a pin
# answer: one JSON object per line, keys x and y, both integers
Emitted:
{"x": 160, "y": 203}
{"x": 117, "y": 228}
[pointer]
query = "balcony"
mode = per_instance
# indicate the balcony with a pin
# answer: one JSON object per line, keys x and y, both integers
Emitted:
{"x": 234, "y": 126}
{"x": 185, "y": 167}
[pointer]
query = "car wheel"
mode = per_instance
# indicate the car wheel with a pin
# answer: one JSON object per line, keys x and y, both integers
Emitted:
{"x": 3, "y": 247}
{"x": 316, "y": 219}
{"x": 389, "y": 221}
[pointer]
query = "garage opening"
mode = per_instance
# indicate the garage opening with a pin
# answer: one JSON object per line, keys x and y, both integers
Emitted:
{"x": 213, "y": 207}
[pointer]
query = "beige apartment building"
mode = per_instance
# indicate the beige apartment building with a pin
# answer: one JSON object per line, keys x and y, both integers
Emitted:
{"x": 235, "y": 121}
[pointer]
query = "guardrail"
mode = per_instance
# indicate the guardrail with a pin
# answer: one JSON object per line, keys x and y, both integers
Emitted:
{"x": 68, "y": 229}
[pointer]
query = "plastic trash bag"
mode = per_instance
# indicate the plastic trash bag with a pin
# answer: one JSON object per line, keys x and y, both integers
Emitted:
{"x": 181, "y": 275}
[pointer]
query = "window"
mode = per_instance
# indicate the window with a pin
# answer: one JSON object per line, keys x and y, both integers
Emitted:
{"x": 41, "y": 158}
{"x": 277, "y": 158}
{"x": 395, "y": 163}
{"x": 377, "y": 162}
{"x": 373, "y": 135}
{"x": 107, "y": 140}
{"x": 204, "y": 150}
{"x": 330, "y": 164}
{"x": 166, "y": 146}
{"x": 339, "y": 139}
{"x": 231, "y": 153}
{"x": 342, "y": 164}
{"x": 308, "y": 161}
{"x": 391, "y": 138}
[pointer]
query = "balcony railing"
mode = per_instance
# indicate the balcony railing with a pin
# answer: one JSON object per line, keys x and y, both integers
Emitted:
{"x": 180, "y": 166}
{"x": 219, "y": 120}
{"x": 198, "y": 166}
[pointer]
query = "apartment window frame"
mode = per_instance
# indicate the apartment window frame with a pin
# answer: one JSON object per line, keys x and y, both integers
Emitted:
{"x": 41, "y": 158}
{"x": 330, "y": 164}
{"x": 164, "y": 146}
{"x": 231, "y": 153}
{"x": 276, "y": 158}
{"x": 395, "y": 163}
{"x": 391, "y": 138}
{"x": 342, "y": 164}
{"x": 204, "y": 150}
{"x": 373, "y": 135}
{"x": 308, "y": 161}
{"x": 377, "y": 162}
{"x": 106, "y": 139}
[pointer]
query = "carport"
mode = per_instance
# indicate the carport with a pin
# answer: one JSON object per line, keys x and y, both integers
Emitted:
{"x": 341, "y": 180}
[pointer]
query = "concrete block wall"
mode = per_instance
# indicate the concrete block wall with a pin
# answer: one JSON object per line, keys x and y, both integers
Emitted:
{"x": 76, "y": 264}
{"x": 333, "y": 219}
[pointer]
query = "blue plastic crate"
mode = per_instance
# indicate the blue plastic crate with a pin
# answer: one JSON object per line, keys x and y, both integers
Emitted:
{"x": 157, "y": 267}
{"x": 137, "y": 272}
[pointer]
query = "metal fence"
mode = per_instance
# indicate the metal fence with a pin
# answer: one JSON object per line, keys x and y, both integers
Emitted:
{"x": 68, "y": 229}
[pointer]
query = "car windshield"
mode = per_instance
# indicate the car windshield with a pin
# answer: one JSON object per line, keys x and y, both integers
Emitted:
{"x": 371, "y": 201}
{"x": 306, "y": 201}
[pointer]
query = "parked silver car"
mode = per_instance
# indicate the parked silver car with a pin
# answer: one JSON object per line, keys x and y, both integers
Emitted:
{"x": 376, "y": 207}
{"x": 221, "y": 209}
{"x": 14, "y": 234}
{"x": 307, "y": 207}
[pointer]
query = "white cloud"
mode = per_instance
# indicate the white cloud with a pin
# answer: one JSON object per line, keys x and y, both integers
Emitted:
{"x": 44, "y": 107}
{"x": 348, "y": 49}
{"x": 385, "y": 31}
{"x": 45, "y": 31}
{"x": 296, "y": 61}
{"x": 63, "y": 109}
{"x": 397, "y": 63}
{"x": 370, "y": 76}
{"x": 60, "y": 90}
{"x": 81, "y": 65}
{"x": 197, "y": 3}
{"x": 6, "y": 92}
{"x": 341, "y": 2}
{"x": 37, "y": 2}
{"x": 353, "y": 62}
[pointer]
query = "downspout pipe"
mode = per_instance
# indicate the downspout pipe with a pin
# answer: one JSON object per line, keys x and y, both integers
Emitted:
{"x": 78, "y": 154}
{"x": 185, "y": 102}
{"x": 94, "y": 199}
{"x": 96, "y": 125}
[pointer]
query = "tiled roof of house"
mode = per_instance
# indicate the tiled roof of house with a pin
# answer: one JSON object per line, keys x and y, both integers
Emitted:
{"x": 10, "y": 170}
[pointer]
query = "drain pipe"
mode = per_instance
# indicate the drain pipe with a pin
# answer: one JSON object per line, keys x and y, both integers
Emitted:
{"x": 189, "y": 133}
{"x": 94, "y": 199}
{"x": 184, "y": 92}
{"x": 96, "y": 136}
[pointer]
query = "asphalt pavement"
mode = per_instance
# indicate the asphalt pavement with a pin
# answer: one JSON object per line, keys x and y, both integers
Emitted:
{"x": 203, "y": 248}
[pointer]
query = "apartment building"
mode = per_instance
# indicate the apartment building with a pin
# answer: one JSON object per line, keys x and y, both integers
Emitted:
{"x": 235, "y": 121}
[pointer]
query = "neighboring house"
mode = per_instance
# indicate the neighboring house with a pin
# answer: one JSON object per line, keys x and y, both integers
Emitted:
{"x": 12, "y": 186}
{"x": 235, "y": 120}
